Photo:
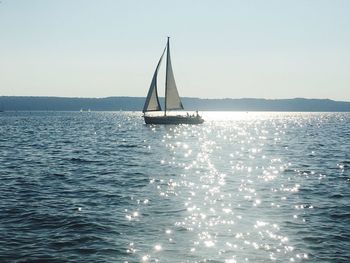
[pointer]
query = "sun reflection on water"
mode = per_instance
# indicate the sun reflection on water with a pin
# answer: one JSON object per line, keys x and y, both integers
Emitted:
{"x": 232, "y": 189}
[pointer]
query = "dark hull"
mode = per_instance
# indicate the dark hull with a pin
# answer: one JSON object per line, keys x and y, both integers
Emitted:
{"x": 173, "y": 119}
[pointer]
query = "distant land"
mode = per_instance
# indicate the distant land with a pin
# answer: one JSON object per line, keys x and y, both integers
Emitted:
{"x": 19, "y": 103}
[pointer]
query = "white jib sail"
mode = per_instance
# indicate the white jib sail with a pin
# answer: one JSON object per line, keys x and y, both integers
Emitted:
{"x": 152, "y": 100}
{"x": 172, "y": 98}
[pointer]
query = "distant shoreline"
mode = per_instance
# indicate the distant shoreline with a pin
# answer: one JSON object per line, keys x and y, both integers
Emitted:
{"x": 36, "y": 103}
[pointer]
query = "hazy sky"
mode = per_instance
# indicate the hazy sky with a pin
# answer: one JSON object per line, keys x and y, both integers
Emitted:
{"x": 220, "y": 49}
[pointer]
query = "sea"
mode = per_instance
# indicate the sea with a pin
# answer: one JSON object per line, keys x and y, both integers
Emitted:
{"x": 242, "y": 187}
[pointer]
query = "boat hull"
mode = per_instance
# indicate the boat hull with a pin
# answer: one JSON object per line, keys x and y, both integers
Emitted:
{"x": 173, "y": 119}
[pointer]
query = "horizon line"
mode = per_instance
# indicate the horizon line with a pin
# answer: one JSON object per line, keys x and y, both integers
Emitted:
{"x": 125, "y": 96}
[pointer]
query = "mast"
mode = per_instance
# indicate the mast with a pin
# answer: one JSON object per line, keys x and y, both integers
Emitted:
{"x": 166, "y": 75}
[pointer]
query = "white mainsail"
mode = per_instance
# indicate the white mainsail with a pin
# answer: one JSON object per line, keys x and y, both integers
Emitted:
{"x": 152, "y": 101}
{"x": 172, "y": 98}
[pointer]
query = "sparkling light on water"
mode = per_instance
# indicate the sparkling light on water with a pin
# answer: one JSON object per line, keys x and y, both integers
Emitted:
{"x": 242, "y": 187}
{"x": 234, "y": 194}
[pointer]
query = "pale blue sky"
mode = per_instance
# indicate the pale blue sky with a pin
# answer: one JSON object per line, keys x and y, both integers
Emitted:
{"x": 235, "y": 49}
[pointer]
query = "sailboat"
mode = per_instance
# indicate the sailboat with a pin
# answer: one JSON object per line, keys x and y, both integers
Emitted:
{"x": 172, "y": 98}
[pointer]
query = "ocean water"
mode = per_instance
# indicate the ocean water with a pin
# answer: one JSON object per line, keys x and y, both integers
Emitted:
{"x": 242, "y": 187}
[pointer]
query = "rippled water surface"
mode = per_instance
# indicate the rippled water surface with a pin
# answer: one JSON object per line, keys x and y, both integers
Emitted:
{"x": 242, "y": 187}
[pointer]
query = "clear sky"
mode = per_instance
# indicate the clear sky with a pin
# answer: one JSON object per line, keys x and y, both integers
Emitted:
{"x": 220, "y": 49}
